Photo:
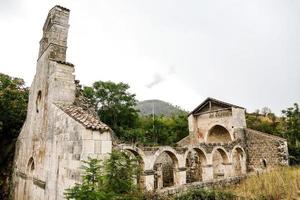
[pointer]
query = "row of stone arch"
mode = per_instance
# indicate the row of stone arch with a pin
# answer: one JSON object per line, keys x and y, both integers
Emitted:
{"x": 166, "y": 166}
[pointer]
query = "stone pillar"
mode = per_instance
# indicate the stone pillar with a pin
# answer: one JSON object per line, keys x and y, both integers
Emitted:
{"x": 149, "y": 180}
{"x": 158, "y": 176}
{"x": 228, "y": 170}
{"x": 181, "y": 176}
{"x": 207, "y": 172}
{"x": 243, "y": 165}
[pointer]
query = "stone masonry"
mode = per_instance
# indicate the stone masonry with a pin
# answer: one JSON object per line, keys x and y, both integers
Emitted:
{"x": 62, "y": 129}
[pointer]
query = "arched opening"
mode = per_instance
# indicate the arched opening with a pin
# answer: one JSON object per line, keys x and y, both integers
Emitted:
{"x": 38, "y": 101}
{"x": 165, "y": 170}
{"x": 219, "y": 161}
{"x": 137, "y": 158}
{"x": 238, "y": 161}
{"x": 28, "y": 185}
{"x": 264, "y": 164}
{"x": 218, "y": 134}
{"x": 30, "y": 166}
{"x": 194, "y": 162}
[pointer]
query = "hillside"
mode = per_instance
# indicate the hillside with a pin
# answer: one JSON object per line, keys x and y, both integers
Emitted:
{"x": 160, "y": 108}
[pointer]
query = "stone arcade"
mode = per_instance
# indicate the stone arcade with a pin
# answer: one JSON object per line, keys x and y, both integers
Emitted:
{"x": 62, "y": 129}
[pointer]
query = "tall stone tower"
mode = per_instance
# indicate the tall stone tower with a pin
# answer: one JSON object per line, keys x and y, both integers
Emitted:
{"x": 60, "y": 128}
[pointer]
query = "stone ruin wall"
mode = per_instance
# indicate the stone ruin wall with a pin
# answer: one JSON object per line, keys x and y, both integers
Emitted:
{"x": 59, "y": 131}
{"x": 53, "y": 143}
{"x": 264, "y": 150}
{"x": 178, "y": 190}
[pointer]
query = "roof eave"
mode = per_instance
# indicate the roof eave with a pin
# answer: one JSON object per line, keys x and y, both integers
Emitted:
{"x": 215, "y": 100}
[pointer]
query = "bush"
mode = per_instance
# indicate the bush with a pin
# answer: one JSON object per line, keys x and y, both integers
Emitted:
{"x": 113, "y": 180}
{"x": 202, "y": 194}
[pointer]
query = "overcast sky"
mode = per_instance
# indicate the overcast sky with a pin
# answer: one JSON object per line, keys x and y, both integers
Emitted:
{"x": 243, "y": 52}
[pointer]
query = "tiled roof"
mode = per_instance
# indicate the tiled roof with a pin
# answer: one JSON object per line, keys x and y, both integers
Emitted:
{"x": 84, "y": 117}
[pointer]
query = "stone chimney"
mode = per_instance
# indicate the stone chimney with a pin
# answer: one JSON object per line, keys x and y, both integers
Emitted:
{"x": 55, "y": 34}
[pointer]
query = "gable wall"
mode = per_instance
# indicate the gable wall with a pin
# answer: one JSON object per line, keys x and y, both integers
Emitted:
{"x": 261, "y": 146}
{"x": 71, "y": 143}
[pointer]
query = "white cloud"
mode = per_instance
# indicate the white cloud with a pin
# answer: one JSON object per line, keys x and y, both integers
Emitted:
{"x": 244, "y": 52}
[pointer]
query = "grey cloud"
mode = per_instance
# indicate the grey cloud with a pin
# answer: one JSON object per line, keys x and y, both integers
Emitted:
{"x": 157, "y": 78}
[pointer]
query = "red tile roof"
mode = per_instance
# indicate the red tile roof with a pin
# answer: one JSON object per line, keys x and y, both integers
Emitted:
{"x": 87, "y": 119}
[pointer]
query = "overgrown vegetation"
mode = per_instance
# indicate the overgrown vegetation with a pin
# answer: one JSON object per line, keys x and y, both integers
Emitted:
{"x": 113, "y": 179}
{"x": 286, "y": 126}
{"x": 205, "y": 194}
{"x": 117, "y": 107}
{"x": 13, "y": 108}
{"x": 116, "y": 179}
{"x": 282, "y": 183}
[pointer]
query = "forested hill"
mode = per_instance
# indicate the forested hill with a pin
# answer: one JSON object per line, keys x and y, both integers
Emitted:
{"x": 160, "y": 108}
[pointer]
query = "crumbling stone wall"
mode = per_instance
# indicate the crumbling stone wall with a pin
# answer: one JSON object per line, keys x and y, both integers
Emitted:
{"x": 60, "y": 129}
{"x": 164, "y": 167}
{"x": 264, "y": 149}
{"x": 177, "y": 190}
{"x": 193, "y": 167}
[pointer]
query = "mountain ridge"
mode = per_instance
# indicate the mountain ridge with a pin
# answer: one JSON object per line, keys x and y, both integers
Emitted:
{"x": 159, "y": 107}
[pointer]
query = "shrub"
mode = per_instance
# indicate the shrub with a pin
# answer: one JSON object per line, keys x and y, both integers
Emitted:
{"x": 113, "y": 180}
{"x": 202, "y": 194}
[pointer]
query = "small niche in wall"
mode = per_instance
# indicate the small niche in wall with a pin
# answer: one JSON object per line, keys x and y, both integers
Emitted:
{"x": 38, "y": 101}
{"x": 30, "y": 165}
{"x": 264, "y": 163}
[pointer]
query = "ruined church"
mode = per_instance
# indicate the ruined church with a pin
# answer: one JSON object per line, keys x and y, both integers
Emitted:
{"x": 62, "y": 129}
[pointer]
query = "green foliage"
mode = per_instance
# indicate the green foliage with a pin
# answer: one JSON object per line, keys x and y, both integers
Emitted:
{"x": 114, "y": 104}
{"x": 294, "y": 152}
{"x": 291, "y": 131}
{"x": 202, "y": 194}
{"x": 116, "y": 107}
{"x": 268, "y": 123}
{"x": 113, "y": 180}
{"x": 91, "y": 185}
{"x": 287, "y": 126}
{"x": 120, "y": 172}
{"x": 161, "y": 130}
{"x": 292, "y": 125}
{"x": 13, "y": 105}
{"x": 13, "y": 108}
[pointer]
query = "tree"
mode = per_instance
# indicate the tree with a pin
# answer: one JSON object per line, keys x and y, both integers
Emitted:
{"x": 13, "y": 108}
{"x": 163, "y": 130}
{"x": 292, "y": 124}
{"x": 13, "y": 105}
{"x": 265, "y": 111}
{"x": 113, "y": 180}
{"x": 120, "y": 171}
{"x": 114, "y": 104}
{"x": 291, "y": 131}
{"x": 287, "y": 126}
{"x": 92, "y": 183}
